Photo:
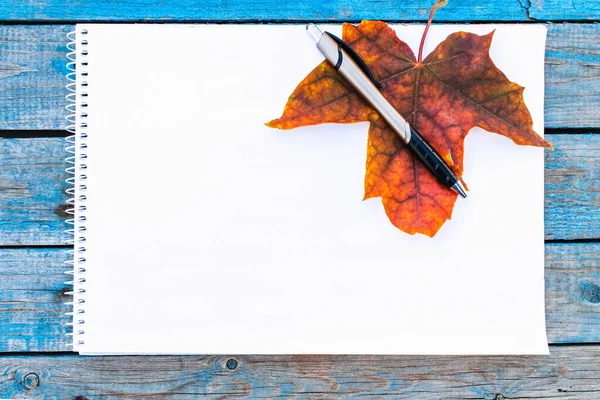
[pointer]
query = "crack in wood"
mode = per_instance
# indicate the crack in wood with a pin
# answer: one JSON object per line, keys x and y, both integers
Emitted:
{"x": 7, "y": 70}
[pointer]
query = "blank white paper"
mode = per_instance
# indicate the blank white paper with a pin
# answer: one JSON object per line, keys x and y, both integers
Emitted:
{"x": 210, "y": 233}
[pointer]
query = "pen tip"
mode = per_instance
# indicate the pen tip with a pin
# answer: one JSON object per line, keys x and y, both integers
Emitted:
{"x": 457, "y": 187}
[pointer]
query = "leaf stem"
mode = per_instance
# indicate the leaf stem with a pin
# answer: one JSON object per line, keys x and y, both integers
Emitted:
{"x": 438, "y": 4}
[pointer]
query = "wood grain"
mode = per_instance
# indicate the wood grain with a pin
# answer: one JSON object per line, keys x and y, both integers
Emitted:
{"x": 572, "y": 276}
{"x": 32, "y": 310}
{"x": 269, "y": 10}
{"x": 32, "y": 194}
{"x": 34, "y": 98}
{"x": 32, "y": 198}
{"x": 274, "y": 10}
{"x": 572, "y": 189}
{"x": 568, "y": 373}
{"x": 560, "y": 10}
{"x": 571, "y": 58}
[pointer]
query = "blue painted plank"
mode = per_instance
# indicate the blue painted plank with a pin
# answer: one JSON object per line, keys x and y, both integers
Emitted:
{"x": 572, "y": 277}
{"x": 32, "y": 191}
{"x": 261, "y": 10}
{"x": 274, "y": 10}
{"x": 572, "y": 76}
{"x": 32, "y": 77}
{"x": 561, "y": 10}
{"x": 32, "y": 309}
{"x": 572, "y": 187}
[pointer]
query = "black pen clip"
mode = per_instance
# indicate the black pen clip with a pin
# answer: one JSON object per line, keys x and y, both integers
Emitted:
{"x": 359, "y": 61}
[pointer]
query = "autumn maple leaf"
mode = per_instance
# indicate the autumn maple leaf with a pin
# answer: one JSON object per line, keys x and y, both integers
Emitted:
{"x": 454, "y": 89}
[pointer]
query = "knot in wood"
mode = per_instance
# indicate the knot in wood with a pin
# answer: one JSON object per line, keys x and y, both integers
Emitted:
{"x": 590, "y": 292}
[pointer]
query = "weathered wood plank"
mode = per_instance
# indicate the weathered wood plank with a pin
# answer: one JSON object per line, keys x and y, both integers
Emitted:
{"x": 572, "y": 55}
{"x": 32, "y": 310}
{"x": 560, "y": 10}
{"x": 32, "y": 65}
{"x": 32, "y": 189}
{"x": 572, "y": 190}
{"x": 273, "y": 10}
{"x": 572, "y": 278}
{"x": 571, "y": 372}
{"x": 266, "y": 10}
{"x": 32, "y": 83}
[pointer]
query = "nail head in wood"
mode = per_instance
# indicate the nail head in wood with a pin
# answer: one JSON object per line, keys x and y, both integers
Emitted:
{"x": 499, "y": 397}
{"x": 231, "y": 364}
{"x": 31, "y": 381}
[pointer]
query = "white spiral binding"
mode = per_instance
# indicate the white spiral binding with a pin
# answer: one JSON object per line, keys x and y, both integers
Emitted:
{"x": 76, "y": 183}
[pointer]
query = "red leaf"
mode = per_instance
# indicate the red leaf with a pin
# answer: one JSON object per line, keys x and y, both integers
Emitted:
{"x": 456, "y": 88}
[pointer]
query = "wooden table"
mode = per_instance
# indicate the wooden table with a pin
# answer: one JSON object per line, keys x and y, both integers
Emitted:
{"x": 36, "y": 362}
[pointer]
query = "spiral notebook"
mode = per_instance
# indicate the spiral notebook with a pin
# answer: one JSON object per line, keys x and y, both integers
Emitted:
{"x": 199, "y": 230}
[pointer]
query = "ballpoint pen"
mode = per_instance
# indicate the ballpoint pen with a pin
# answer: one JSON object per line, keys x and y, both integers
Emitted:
{"x": 357, "y": 73}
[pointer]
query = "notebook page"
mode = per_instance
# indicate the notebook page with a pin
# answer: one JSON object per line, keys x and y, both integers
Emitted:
{"x": 209, "y": 232}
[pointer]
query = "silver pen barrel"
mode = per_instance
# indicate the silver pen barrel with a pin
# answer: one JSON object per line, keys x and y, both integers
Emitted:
{"x": 360, "y": 81}
{"x": 352, "y": 67}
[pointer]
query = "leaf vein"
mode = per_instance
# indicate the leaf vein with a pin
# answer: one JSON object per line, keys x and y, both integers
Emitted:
{"x": 477, "y": 105}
